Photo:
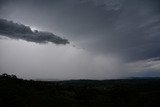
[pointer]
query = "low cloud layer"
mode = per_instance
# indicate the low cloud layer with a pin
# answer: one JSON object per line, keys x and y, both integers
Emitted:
{"x": 145, "y": 68}
{"x": 20, "y": 31}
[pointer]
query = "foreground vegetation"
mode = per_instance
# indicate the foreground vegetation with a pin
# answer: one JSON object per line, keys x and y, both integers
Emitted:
{"x": 16, "y": 92}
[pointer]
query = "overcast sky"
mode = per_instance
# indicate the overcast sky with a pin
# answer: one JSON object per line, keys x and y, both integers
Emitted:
{"x": 87, "y": 39}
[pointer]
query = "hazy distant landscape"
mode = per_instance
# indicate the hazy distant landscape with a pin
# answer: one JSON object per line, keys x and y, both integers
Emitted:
{"x": 79, "y": 93}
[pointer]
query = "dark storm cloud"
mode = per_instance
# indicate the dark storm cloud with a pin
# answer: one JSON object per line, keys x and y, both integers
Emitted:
{"x": 128, "y": 28}
{"x": 20, "y": 31}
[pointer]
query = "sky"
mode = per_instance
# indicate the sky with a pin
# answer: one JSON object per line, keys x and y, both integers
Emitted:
{"x": 80, "y": 39}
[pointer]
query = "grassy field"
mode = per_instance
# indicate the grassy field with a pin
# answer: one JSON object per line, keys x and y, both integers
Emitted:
{"x": 136, "y": 92}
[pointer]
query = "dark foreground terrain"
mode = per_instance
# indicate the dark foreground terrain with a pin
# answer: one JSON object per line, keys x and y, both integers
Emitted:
{"x": 79, "y": 93}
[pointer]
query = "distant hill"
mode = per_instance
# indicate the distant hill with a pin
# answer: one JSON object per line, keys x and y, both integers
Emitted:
{"x": 79, "y": 93}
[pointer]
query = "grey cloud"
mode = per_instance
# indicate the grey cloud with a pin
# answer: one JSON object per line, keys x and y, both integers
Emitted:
{"x": 20, "y": 31}
{"x": 107, "y": 4}
{"x": 131, "y": 32}
{"x": 145, "y": 68}
{"x": 128, "y": 28}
